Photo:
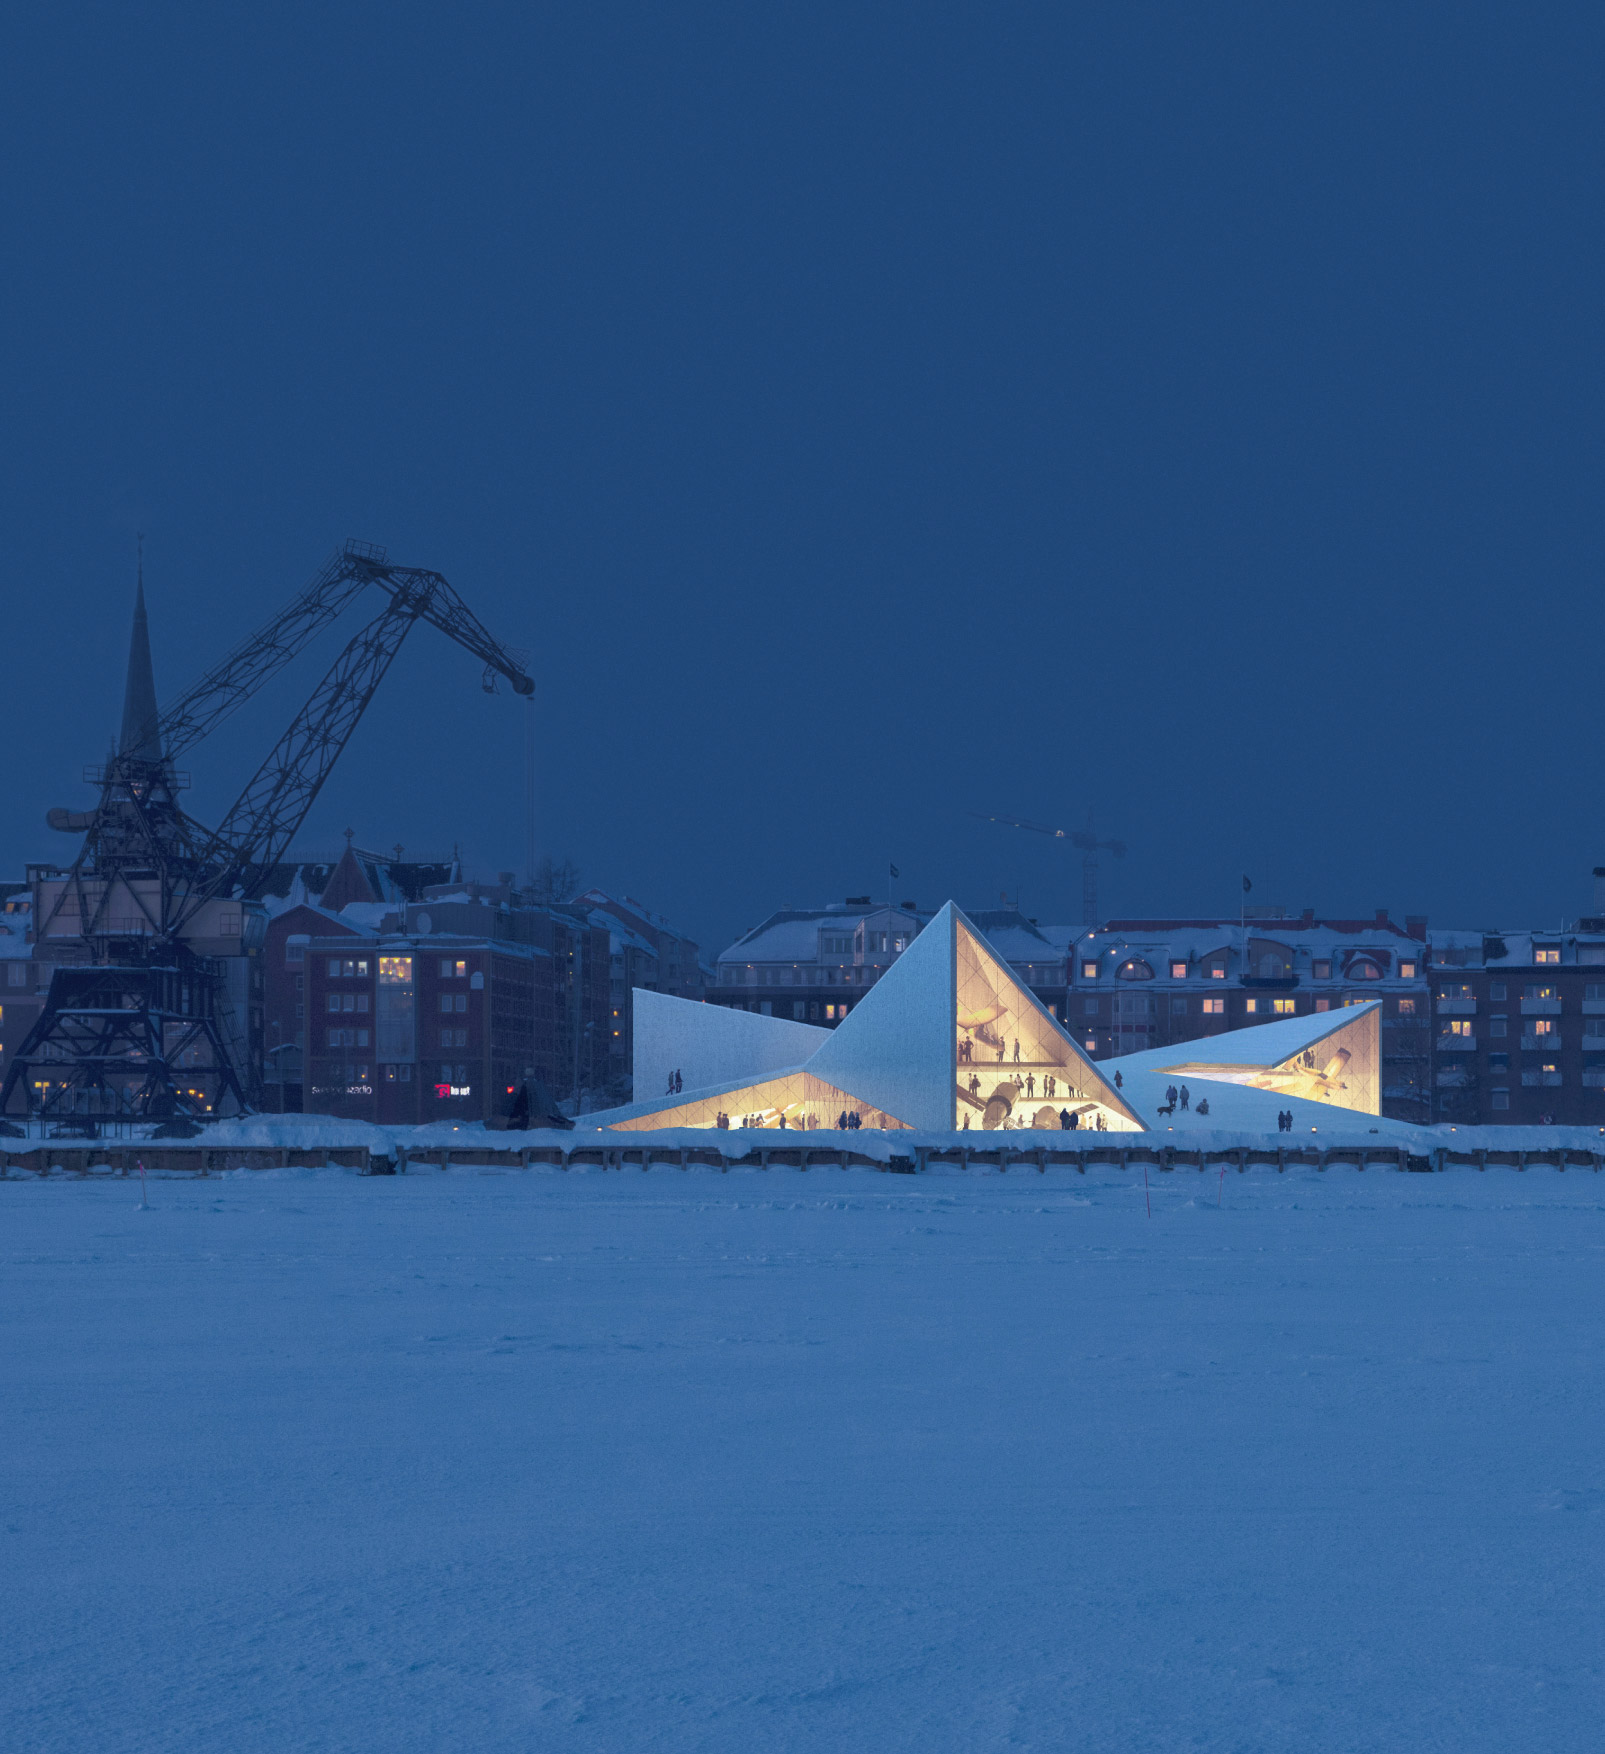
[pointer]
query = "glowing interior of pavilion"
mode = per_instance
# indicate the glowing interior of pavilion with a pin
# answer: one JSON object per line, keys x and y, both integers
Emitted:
{"x": 950, "y": 1040}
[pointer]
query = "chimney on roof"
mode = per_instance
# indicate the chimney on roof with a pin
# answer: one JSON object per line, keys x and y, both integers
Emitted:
{"x": 1599, "y": 889}
{"x": 1308, "y": 917}
{"x": 1382, "y": 916}
{"x": 1416, "y": 926}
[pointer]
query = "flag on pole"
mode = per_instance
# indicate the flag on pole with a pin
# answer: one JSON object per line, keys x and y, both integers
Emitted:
{"x": 894, "y": 870}
{"x": 1247, "y": 886}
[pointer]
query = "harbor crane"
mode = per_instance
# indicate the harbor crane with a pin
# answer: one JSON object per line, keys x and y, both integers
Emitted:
{"x": 141, "y": 1018}
{"x": 1086, "y": 841}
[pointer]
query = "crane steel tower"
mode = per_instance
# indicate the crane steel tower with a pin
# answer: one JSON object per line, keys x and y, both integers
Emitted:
{"x": 1090, "y": 847}
{"x": 139, "y": 1020}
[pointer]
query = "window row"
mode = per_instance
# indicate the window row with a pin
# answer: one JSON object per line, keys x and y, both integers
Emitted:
{"x": 1269, "y": 967}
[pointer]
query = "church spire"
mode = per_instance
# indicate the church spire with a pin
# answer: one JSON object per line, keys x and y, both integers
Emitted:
{"x": 140, "y": 737}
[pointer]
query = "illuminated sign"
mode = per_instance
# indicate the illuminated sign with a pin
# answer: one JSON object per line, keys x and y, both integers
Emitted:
{"x": 444, "y": 1090}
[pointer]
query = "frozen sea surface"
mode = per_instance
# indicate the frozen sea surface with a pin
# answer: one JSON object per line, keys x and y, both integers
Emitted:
{"x": 832, "y": 1461}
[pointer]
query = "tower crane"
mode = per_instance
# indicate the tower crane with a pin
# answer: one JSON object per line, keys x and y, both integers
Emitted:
{"x": 1090, "y": 846}
{"x": 138, "y": 1021}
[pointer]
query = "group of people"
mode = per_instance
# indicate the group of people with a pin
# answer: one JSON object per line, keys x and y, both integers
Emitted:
{"x": 967, "y": 1050}
{"x": 675, "y": 1085}
{"x": 848, "y": 1122}
{"x": 1284, "y": 1120}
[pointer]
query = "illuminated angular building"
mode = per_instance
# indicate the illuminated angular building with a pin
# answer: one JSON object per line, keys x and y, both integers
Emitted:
{"x": 949, "y": 1039}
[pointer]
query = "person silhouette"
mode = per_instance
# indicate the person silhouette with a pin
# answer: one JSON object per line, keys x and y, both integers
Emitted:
{"x": 1185, "y": 1099}
{"x": 1119, "y": 1081}
{"x": 1017, "y": 1050}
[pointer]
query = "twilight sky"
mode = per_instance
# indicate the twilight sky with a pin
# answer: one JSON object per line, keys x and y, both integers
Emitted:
{"x": 865, "y": 415}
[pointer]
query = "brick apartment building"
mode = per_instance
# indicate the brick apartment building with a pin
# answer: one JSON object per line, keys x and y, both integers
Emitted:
{"x": 432, "y": 1009}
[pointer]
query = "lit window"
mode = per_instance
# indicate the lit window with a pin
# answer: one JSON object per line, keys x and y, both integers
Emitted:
{"x": 1550, "y": 955}
{"x": 1323, "y": 1004}
{"x": 1407, "y": 1007}
{"x": 1214, "y": 1007}
{"x": 394, "y": 970}
{"x": 1218, "y": 972}
{"x": 1539, "y": 993}
{"x": 1178, "y": 971}
{"x": 1543, "y": 1026}
{"x": 1460, "y": 1026}
{"x": 1089, "y": 971}
{"x": 1407, "y": 971}
{"x": 1283, "y": 1007}
{"x": 1251, "y": 1006}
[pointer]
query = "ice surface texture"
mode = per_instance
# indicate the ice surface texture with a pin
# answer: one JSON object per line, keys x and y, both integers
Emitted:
{"x": 833, "y": 1461}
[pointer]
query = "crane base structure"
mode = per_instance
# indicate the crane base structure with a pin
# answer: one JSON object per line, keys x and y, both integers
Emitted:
{"x": 142, "y": 1019}
{"x": 131, "y": 1042}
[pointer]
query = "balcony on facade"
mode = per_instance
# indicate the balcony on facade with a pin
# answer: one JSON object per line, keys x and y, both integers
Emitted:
{"x": 1545, "y": 1077}
{"x": 1457, "y": 1007}
{"x": 1456, "y": 1044}
{"x": 1532, "y": 1043}
{"x": 1540, "y": 1007}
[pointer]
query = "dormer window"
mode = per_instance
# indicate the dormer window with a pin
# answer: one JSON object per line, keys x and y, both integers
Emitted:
{"x": 1546, "y": 953}
{"x": 1089, "y": 971}
{"x": 1178, "y": 971}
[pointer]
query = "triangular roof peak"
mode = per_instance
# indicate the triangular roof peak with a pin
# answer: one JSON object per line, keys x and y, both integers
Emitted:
{"x": 348, "y": 882}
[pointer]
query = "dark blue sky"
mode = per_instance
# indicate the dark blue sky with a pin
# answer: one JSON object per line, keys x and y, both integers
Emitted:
{"x": 865, "y": 414}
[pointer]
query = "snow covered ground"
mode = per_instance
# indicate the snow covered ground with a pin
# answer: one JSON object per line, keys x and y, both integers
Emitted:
{"x": 762, "y": 1461}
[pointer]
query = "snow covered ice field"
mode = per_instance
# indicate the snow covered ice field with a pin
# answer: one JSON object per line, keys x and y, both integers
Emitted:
{"x": 838, "y": 1461}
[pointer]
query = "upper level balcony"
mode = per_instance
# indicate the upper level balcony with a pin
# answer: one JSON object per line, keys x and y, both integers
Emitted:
{"x": 1456, "y": 1044}
{"x": 1456, "y": 1007}
{"x": 1540, "y": 1007}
